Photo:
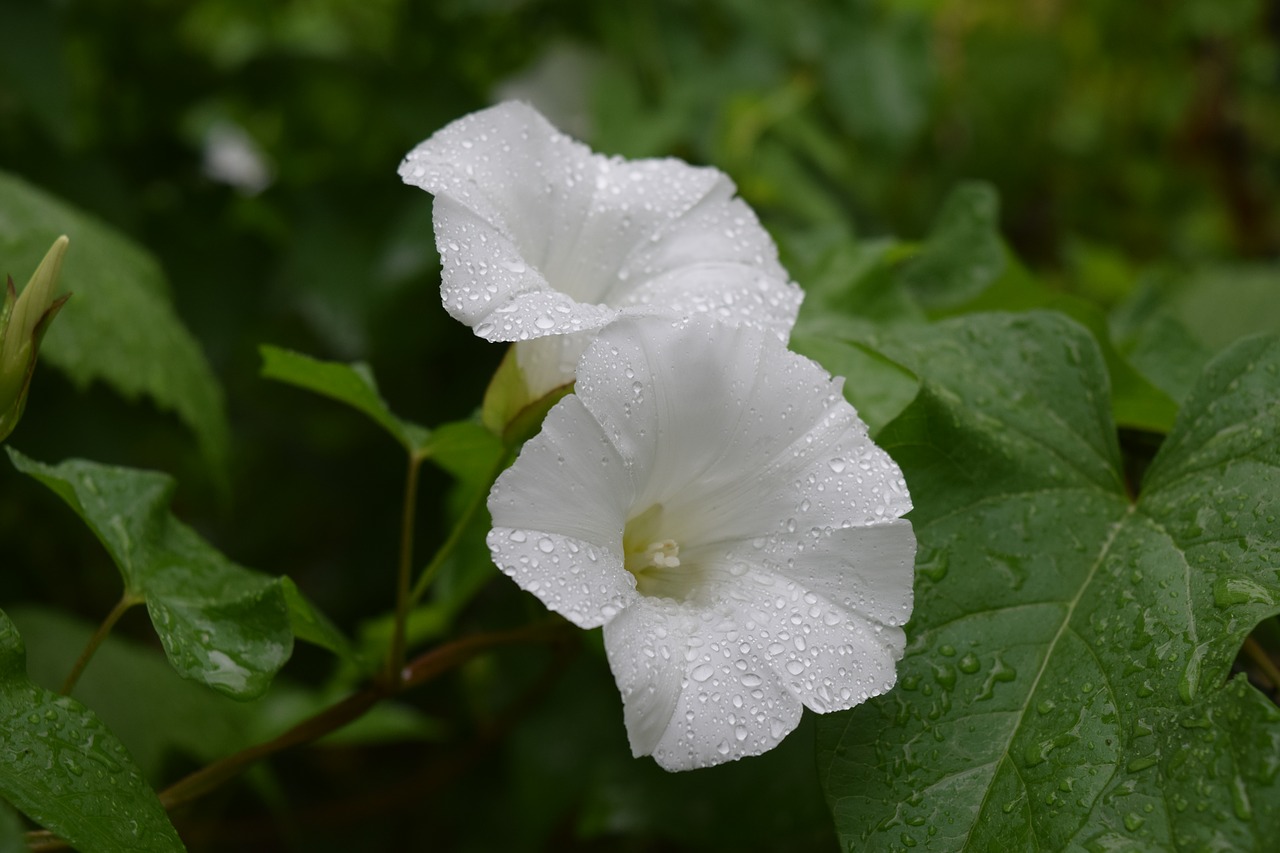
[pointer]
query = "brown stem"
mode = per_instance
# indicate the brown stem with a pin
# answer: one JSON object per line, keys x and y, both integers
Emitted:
{"x": 126, "y": 601}
{"x": 418, "y": 671}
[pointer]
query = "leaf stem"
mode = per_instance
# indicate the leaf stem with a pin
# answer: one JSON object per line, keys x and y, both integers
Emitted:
{"x": 126, "y": 601}
{"x": 395, "y": 654}
{"x": 459, "y": 529}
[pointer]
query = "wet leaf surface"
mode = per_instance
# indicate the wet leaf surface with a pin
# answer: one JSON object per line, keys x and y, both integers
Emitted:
{"x": 226, "y": 626}
{"x": 62, "y": 767}
{"x": 1063, "y": 687}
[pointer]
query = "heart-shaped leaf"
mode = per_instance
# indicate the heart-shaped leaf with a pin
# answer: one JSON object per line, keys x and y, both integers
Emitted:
{"x": 1063, "y": 687}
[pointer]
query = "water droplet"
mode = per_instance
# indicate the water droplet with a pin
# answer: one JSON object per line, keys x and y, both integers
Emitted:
{"x": 702, "y": 672}
{"x": 838, "y": 464}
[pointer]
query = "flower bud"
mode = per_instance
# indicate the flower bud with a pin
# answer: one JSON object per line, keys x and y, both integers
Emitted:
{"x": 23, "y": 321}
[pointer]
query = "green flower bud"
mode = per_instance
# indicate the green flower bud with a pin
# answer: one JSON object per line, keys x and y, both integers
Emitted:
{"x": 23, "y": 321}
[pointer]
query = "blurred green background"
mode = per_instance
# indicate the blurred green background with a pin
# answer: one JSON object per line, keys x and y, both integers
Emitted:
{"x": 253, "y": 148}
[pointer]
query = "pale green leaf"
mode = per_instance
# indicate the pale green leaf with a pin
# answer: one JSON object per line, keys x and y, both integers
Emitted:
{"x": 65, "y": 770}
{"x": 352, "y": 384}
{"x": 120, "y": 327}
{"x": 1063, "y": 687}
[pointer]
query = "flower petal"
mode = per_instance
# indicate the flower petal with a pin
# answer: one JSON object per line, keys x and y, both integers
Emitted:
{"x": 689, "y": 697}
{"x": 865, "y": 570}
{"x": 718, "y": 259}
{"x": 827, "y": 656}
{"x": 539, "y": 236}
{"x": 733, "y": 433}
{"x": 735, "y": 293}
{"x": 558, "y": 516}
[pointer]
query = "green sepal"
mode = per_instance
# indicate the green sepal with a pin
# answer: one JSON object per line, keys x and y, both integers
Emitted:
{"x": 509, "y": 411}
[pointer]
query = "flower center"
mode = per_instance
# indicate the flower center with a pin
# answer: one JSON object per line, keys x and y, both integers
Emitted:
{"x": 654, "y": 559}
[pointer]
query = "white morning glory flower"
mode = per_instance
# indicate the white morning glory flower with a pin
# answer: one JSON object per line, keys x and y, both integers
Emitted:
{"x": 540, "y": 237}
{"x": 711, "y": 499}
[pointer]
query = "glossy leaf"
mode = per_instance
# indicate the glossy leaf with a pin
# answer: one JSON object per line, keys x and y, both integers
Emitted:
{"x": 120, "y": 327}
{"x": 352, "y": 384}
{"x": 221, "y": 624}
{"x": 1063, "y": 684}
{"x": 65, "y": 770}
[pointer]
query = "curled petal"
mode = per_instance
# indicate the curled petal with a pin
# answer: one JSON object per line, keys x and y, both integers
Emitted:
{"x": 539, "y": 236}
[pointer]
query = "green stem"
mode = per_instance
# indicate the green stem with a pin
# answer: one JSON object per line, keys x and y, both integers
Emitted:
{"x": 459, "y": 529}
{"x": 126, "y": 601}
{"x": 395, "y": 654}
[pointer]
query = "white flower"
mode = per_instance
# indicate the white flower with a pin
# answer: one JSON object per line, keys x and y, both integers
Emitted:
{"x": 711, "y": 499}
{"x": 540, "y": 237}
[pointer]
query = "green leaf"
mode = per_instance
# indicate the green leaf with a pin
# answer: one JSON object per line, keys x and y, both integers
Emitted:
{"x": 1063, "y": 682}
{"x": 1222, "y": 303}
{"x": 12, "y": 834}
{"x": 65, "y": 770}
{"x": 1158, "y": 344}
{"x": 352, "y": 384}
{"x": 468, "y": 451}
{"x": 878, "y": 388}
{"x": 312, "y": 626}
{"x": 1135, "y": 400}
{"x": 120, "y": 327}
{"x": 963, "y": 253}
{"x": 156, "y": 713}
{"x": 221, "y": 624}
